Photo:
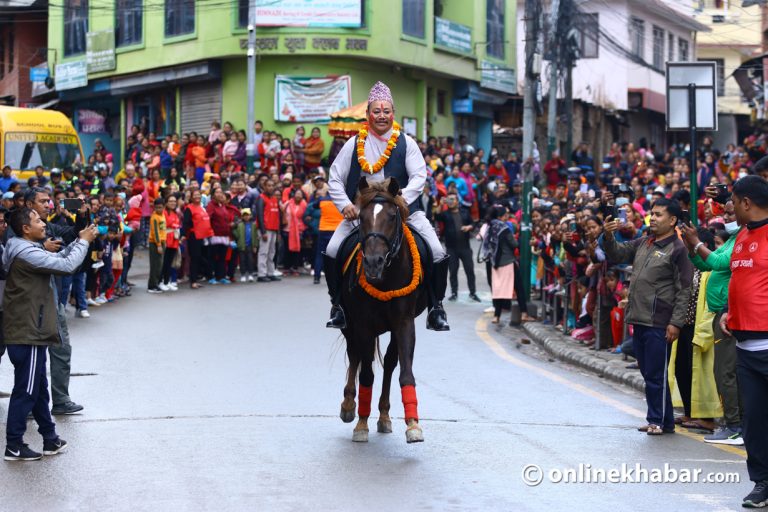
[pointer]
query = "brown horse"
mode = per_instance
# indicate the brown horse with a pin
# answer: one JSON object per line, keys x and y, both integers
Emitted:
{"x": 388, "y": 265}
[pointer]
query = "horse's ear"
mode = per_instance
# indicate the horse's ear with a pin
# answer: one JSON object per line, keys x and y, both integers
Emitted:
{"x": 393, "y": 187}
{"x": 363, "y": 183}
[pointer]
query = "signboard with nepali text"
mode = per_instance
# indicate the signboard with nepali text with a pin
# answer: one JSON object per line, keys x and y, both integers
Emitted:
{"x": 100, "y": 50}
{"x": 317, "y": 13}
{"x": 71, "y": 75}
{"x": 497, "y": 78}
{"x": 311, "y": 100}
{"x": 453, "y": 36}
{"x": 91, "y": 121}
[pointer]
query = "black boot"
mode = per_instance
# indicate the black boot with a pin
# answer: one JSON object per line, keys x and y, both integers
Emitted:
{"x": 437, "y": 320}
{"x": 333, "y": 279}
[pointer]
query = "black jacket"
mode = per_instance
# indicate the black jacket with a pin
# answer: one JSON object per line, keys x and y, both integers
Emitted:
{"x": 454, "y": 238}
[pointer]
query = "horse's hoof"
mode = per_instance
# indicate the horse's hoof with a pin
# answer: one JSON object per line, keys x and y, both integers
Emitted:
{"x": 384, "y": 427}
{"x": 360, "y": 436}
{"x": 347, "y": 416}
{"x": 414, "y": 435}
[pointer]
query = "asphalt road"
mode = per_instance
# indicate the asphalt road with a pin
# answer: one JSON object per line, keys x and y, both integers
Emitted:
{"x": 227, "y": 398}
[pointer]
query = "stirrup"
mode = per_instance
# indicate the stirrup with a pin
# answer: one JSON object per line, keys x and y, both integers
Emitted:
{"x": 338, "y": 319}
{"x": 437, "y": 319}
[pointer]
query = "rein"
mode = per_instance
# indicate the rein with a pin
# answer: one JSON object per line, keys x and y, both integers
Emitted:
{"x": 394, "y": 245}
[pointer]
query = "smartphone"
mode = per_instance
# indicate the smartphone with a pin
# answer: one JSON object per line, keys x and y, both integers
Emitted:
{"x": 72, "y": 205}
{"x": 583, "y": 188}
{"x": 722, "y": 193}
{"x": 685, "y": 217}
{"x": 623, "y": 216}
{"x": 572, "y": 226}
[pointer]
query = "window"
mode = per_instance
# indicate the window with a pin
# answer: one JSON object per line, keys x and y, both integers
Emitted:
{"x": 414, "y": 18}
{"x": 2, "y": 53}
{"x": 658, "y": 47}
{"x": 494, "y": 28}
{"x": 11, "y": 47}
{"x": 75, "y": 26}
{"x": 682, "y": 50}
{"x": 589, "y": 35}
{"x": 242, "y": 13}
{"x": 440, "y": 103}
{"x": 671, "y": 47}
{"x": 179, "y": 17}
{"x": 720, "y": 74}
{"x": 128, "y": 22}
{"x": 637, "y": 37}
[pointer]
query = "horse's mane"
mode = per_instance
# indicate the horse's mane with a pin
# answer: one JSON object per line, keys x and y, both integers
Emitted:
{"x": 381, "y": 189}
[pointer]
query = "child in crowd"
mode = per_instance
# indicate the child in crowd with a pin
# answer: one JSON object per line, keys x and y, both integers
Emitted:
{"x": 157, "y": 239}
{"x": 246, "y": 235}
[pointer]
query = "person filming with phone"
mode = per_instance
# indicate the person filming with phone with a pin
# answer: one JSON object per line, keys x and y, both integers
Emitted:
{"x": 659, "y": 292}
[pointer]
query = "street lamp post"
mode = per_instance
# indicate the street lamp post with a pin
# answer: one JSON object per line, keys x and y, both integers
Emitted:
{"x": 251, "y": 56}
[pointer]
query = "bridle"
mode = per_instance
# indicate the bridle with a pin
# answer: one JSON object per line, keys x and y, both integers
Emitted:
{"x": 392, "y": 245}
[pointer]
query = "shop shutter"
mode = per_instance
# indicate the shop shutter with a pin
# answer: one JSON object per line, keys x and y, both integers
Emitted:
{"x": 200, "y": 106}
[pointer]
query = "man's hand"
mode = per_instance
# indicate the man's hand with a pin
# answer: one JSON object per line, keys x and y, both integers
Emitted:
{"x": 611, "y": 225}
{"x": 89, "y": 234}
{"x": 466, "y": 229}
{"x": 52, "y": 245}
{"x": 711, "y": 191}
{"x": 159, "y": 249}
{"x": 264, "y": 237}
{"x": 350, "y": 212}
{"x": 672, "y": 333}
{"x": 607, "y": 198}
{"x": 724, "y": 324}
{"x": 690, "y": 236}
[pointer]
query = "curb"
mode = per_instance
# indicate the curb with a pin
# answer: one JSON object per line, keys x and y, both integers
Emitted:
{"x": 563, "y": 348}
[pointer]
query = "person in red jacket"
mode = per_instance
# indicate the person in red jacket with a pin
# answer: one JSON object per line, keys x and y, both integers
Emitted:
{"x": 173, "y": 237}
{"x": 222, "y": 231}
{"x": 197, "y": 229}
{"x": 268, "y": 216}
{"x": 746, "y": 319}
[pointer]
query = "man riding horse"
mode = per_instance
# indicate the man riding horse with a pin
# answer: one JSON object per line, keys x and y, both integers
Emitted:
{"x": 382, "y": 151}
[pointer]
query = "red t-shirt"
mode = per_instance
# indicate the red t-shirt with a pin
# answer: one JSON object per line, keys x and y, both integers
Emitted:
{"x": 748, "y": 289}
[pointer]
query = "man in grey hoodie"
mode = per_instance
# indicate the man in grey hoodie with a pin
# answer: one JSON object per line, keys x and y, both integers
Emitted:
{"x": 30, "y": 326}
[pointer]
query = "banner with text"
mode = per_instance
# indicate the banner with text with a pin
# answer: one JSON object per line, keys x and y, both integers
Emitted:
{"x": 318, "y": 13}
{"x": 311, "y": 100}
{"x": 100, "y": 50}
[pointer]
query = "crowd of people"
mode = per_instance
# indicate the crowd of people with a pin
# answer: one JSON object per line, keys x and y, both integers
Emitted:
{"x": 207, "y": 219}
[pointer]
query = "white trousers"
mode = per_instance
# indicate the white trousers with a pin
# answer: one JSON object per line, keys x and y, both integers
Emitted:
{"x": 417, "y": 221}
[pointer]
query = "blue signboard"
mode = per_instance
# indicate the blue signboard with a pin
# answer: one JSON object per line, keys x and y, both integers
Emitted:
{"x": 38, "y": 74}
{"x": 463, "y": 106}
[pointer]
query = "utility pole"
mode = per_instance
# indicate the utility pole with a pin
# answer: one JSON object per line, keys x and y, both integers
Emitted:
{"x": 554, "y": 15}
{"x": 251, "y": 56}
{"x": 532, "y": 70}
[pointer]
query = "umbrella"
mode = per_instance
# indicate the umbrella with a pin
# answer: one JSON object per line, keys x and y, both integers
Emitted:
{"x": 347, "y": 122}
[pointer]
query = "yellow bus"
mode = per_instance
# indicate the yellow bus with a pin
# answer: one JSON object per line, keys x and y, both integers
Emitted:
{"x": 31, "y": 137}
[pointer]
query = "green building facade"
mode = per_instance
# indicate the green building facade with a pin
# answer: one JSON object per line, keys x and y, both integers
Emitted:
{"x": 177, "y": 65}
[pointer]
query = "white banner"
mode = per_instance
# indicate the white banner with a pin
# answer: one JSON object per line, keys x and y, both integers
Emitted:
{"x": 301, "y": 13}
{"x": 311, "y": 100}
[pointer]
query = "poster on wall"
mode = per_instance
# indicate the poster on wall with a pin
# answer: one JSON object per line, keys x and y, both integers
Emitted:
{"x": 91, "y": 121}
{"x": 301, "y": 13}
{"x": 311, "y": 99}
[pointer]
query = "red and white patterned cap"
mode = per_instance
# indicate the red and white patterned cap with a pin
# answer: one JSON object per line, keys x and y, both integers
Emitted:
{"x": 380, "y": 92}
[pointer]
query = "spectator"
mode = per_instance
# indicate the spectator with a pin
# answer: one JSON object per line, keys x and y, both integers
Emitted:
{"x": 747, "y": 321}
{"x": 30, "y": 325}
{"x": 658, "y": 299}
{"x": 197, "y": 230}
{"x": 157, "y": 239}
{"x": 6, "y": 180}
{"x": 313, "y": 151}
{"x": 172, "y": 242}
{"x": 268, "y": 219}
{"x": 457, "y": 228}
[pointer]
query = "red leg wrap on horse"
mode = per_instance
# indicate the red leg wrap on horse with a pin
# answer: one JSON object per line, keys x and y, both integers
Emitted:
{"x": 364, "y": 401}
{"x": 410, "y": 403}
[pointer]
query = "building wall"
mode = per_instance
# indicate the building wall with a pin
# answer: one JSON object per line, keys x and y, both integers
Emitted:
{"x": 735, "y": 37}
{"x": 29, "y": 42}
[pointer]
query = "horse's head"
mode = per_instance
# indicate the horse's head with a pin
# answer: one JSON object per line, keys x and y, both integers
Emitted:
{"x": 382, "y": 213}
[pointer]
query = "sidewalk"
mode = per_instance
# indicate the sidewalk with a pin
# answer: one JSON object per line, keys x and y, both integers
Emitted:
{"x": 602, "y": 363}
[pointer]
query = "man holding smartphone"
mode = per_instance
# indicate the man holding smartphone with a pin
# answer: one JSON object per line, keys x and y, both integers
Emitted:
{"x": 57, "y": 237}
{"x": 659, "y": 292}
{"x": 457, "y": 226}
